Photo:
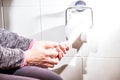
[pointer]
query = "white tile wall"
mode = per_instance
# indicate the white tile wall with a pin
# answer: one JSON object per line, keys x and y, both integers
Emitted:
{"x": 101, "y": 68}
{"x": 19, "y": 3}
{"x": 23, "y": 17}
{"x": 103, "y": 39}
{"x": 55, "y": 6}
{"x": 1, "y": 15}
{"x": 53, "y": 13}
{"x": 52, "y": 17}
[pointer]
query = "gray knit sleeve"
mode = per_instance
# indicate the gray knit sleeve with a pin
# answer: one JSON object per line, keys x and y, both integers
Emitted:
{"x": 10, "y": 58}
{"x": 12, "y": 40}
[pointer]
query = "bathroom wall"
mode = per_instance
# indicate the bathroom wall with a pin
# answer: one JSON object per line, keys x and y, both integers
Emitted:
{"x": 98, "y": 59}
{"x": 1, "y": 12}
{"x": 102, "y": 60}
{"x": 22, "y": 16}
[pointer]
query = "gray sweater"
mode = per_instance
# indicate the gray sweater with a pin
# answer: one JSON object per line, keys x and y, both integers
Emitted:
{"x": 11, "y": 49}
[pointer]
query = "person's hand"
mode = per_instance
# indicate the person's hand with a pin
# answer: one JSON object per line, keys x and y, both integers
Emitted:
{"x": 45, "y": 54}
{"x": 62, "y": 48}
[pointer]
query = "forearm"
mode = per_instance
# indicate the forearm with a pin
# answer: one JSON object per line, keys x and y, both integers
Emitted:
{"x": 10, "y": 58}
{"x": 12, "y": 40}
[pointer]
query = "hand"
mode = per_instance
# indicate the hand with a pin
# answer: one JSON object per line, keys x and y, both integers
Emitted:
{"x": 44, "y": 54}
{"x": 62, "y": 48}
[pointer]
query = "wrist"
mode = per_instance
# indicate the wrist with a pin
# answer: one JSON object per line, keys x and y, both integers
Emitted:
{"x": 24, "y": 61}
{"x": 27, "y": 58}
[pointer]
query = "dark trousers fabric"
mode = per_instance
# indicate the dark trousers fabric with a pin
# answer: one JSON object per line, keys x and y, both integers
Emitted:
{"x": 13, "y": 77}
{"x": 30, "y": 73}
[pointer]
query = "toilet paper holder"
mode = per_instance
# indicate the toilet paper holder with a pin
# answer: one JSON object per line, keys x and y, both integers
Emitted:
{"x": 79, "y": 6}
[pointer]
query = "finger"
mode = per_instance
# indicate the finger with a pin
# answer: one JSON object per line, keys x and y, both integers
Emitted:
{"x": 51, "y": 53}
{"x": 66, "y": 45}
{"x": 51, "y": 44}
{"x": 59, "y": 56}
{"x": 43, "y": 64}
{"x": 52, "y": 61}
{"x": 60, "y": 53}
{"x": 62, "y": 47}
{"x": 49, "y": 65}
{"x": 46, "y": 65}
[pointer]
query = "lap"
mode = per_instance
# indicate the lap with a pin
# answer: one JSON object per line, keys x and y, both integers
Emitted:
{"x": 37, "y": 72}
{"x": 13, "y": 77}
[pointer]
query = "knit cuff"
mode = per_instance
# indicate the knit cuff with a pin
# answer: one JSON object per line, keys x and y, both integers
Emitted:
{"x": 31, "y": 44}
{"x": 24, "y": 61}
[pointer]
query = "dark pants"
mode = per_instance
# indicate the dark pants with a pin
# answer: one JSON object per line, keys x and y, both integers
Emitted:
{"x": 30, "y": 73}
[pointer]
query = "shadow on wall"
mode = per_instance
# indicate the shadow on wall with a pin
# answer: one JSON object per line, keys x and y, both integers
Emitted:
{"x": 53, "y": 34}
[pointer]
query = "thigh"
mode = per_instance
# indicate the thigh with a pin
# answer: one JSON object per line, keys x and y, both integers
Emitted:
{"x": 37, "y": 72}
{"x": 13, "y": 77}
